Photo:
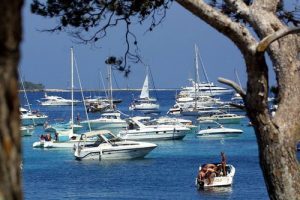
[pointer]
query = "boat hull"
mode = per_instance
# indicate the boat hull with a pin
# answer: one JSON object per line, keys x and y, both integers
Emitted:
{"x": 114, "y": 154}
{"x": 34, "y": 121}
{"x": 150, "y": 136}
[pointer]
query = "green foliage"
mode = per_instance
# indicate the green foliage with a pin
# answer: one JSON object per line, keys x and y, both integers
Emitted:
{"x": 31, "y": 86}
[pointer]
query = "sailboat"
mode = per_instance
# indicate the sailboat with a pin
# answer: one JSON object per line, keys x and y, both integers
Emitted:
{"x": 111, "y": 119}
{"x": 145, "y": 102}
{"x": 65, "y": 138}
{"x": 199, "y": 105}
{"x": 28, "y": 117}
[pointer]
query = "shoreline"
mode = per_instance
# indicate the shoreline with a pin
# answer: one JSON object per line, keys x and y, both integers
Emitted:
{"x": 95, "y": 90}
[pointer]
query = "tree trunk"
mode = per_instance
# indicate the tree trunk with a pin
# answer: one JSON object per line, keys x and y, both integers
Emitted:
{"x": 277, "y": 149}
{"x": 10, "y": 146}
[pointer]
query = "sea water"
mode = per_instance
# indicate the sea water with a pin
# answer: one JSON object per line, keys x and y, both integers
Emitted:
{"x": 168, "y": 172}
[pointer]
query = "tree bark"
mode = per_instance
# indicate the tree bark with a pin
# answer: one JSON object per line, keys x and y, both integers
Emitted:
{"x": 10, "y": 145}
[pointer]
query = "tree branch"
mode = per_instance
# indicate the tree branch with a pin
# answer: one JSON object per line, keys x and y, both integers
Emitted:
{"x": 238, "y": 33}
{"x": 265, "y": 43}
{"x": 234, "y": 85}
{"x": 240, "y": 7}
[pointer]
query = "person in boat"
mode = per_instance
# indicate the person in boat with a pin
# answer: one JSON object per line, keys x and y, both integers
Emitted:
{"x": 48, "y": 137}
{"x": 56, "y": 136}
{"x": 42, "y": 137}
{"x": 208, "y": 171}
{"x": 223, "y": 163}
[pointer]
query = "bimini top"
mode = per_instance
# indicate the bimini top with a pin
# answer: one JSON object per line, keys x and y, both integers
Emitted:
{"x": 96, "y": 133}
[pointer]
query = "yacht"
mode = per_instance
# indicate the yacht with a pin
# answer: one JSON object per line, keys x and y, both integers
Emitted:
{"x": 204, "y": 88}
{"x": 138, "y": 129}
{"x": 165, "y": 120}
{"x": 31, "y": 117}
{"x": 216, "y": 130}
{"x": 224, "y": 118}
{"x": 57, "y": 101}
{"x": 109, "y": 147}
{"x": 109, "y": 121}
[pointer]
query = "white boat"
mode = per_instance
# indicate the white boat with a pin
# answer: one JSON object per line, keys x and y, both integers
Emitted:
{"x": 29, "y": 117}
{"x": 224, "y": 118}
{"x": 217, "y": 129}
{"x": 57, "y": 101}
{"x": 49, "y": 128}
{"x": 109, "y": 121}
{"x": 145, "y": 102}
{"x": 109, "y": 147}
{"x": 138, "y": 130}
{"x": 32, "y": 118}
{"x": 219, "y": 180}
{"x": 65, "y": 138}
{"x": 26, "y": 130}
{"x": 62, "y": 139}
{"x": 173, "y": 121}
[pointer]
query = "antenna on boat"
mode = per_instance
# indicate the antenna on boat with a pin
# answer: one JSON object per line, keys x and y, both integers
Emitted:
{"x": 110, "y": 86}
{"x": 104, "y": 87}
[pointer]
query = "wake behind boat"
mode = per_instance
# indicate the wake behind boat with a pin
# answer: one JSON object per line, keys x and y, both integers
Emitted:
{"x": 109, "y": 147}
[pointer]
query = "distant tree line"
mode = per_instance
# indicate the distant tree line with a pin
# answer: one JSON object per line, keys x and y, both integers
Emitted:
{"x": 31, "y": 86}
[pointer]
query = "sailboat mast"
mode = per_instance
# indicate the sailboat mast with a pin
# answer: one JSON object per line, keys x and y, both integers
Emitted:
{"x": 110, "y": 86}
{"x": 237, "y": 77}
{"x": 72, "y": 90}
{"x": 197, "y": 78}
{"x": 25, "y": 94}
{"x": 204, "y": 71}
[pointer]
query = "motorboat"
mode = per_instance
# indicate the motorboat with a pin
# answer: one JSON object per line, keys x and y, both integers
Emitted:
{"x": 224, "y": 118}
{"x": 165, "y": 120}
{"x": 217, "y": 129}
{"x": 57, "y": 101}
{"x": 109, "y": 121}
{"x": 139, "y": 129}
{"x": 61, "y": 139}
{"x": 27, "y": 130}
{"x": 109, "y": 147}
{"x": 145, "y": 102}
{"x": 218, "y": 180}
{"x": 32, "y": 117}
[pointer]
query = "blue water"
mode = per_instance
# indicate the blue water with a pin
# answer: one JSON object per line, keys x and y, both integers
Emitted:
{"x": 168, "y": 172}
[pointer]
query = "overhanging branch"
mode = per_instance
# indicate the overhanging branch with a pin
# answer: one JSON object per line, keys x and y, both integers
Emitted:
{"x": 234, "y": 85}
{"x": 265, "y": 43}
